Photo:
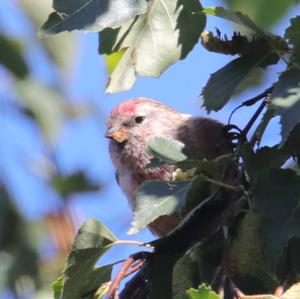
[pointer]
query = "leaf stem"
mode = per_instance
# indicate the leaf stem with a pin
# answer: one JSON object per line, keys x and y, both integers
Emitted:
{"x": 254, "y": 118}
{"x": 248, "y": 103}
{"x": 131, "y": 265}
{"x": 132, "y": 242}
{"x": 222, "y": 184}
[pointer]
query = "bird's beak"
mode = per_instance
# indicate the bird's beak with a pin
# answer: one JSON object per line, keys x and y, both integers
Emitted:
{"x": 117, "y": 135}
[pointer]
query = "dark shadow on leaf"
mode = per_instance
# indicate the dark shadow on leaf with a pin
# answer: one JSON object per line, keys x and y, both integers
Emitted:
{"x": 190, "y": 23}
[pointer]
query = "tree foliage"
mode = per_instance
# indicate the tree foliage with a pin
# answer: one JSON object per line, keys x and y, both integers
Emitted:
{"x": 41, "y": 106}
{"x": 239, "y": 229}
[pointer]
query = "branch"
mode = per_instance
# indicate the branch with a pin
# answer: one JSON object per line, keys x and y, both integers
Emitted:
{"x": 222, "y": 184}
{"x": 131, "y": 265}
{"x": 132, "y": 242}
{"x": 251, "y": 101}
{"x": 254, "y": 118}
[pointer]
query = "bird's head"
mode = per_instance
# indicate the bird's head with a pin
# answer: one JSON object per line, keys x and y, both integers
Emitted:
{"x": 139, "y": 119}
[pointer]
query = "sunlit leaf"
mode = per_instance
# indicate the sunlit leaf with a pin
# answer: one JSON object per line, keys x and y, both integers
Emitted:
{"x": 285, "y": 100}
{"x": 80, "y": 277}
{"x": 57, "y": 286}
{"x": 153, "y": 41}
{"x": 167, "y": 150}
{"x": 90, "y": 15}
{"x": 112, "y": 60}
{"x": 156, "y": 198}
{"x": 102, "y": 291}
{"x": 203, "y": 292}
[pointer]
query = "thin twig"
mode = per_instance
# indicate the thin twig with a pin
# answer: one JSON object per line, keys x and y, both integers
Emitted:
{"x": 221, "y": 290}
{"x": 132, "y": 242}
{"x": 279, "y": 291}
{"x": 251, "y": 101}
{"x": 116, "y": 295}
{"x": 254, "y": 118}
{"x": 235, "y": 290}
{"x": 222, "y": 184}
{"x": 233, "y": 111}
{"x": 131, "y": 265}
{"x": 260, "y": 296}
{"x": 135, "y": 267}
{"x": 113, "y": 288}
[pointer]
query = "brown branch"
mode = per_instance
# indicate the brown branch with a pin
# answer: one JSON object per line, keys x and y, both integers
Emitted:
{"x": 131, "y": 265}
{"x": 279, "y": 291}
{"x": 113, "y": 288}
{"x": 134, "y": 267}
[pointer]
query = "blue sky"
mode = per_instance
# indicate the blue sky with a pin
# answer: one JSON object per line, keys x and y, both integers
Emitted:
{"x": 81, "y": 144}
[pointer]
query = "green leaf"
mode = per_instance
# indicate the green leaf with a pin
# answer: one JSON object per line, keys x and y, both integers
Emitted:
{"x": 264, "y": 12}
{"x": 91, "y": 15}
{"x": 112, "y": 60}
{"x": 11, "y": 57}
{"x": 80, "y": 277}
{"x": 292, "y": 33}
{"x": 289, "y": 264}
{"x": 264, "y": 158}
{"x": 254, "y": 80}
{"x": 157, "y": 198}
{"x": 76, "y": 182}
{"x": 102, "y": 291}
{"x": 205, "y": 219}
{"x": 293, "y": 142}
{"x": 214, "y": 168}
{"x": 46, "y": 105}
{"x": 236, "y": 17}
{"x": 186, "y": 272}
{"x": 203, "y": 292}
{"x": 277, "y": 204}
{"x": 166, "y": 150}
{"x": 285, "y": 100}
{"x": 153, "y": 41}
{"x": 67, "y": 44}
{"x": 160, "y": 277}
{"x": 223, "y": 83}
{"x": 57, "y": 286}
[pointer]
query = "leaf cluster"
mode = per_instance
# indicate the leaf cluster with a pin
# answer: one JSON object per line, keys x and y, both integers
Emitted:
{"x": 42, "y": 105}
{"x": 238, "y": 214}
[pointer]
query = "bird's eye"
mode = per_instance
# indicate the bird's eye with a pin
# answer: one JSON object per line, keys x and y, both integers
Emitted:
{"x": 139, "y": 119}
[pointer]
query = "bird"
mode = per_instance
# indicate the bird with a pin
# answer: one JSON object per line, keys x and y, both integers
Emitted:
{"x": 133, "y": 122}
